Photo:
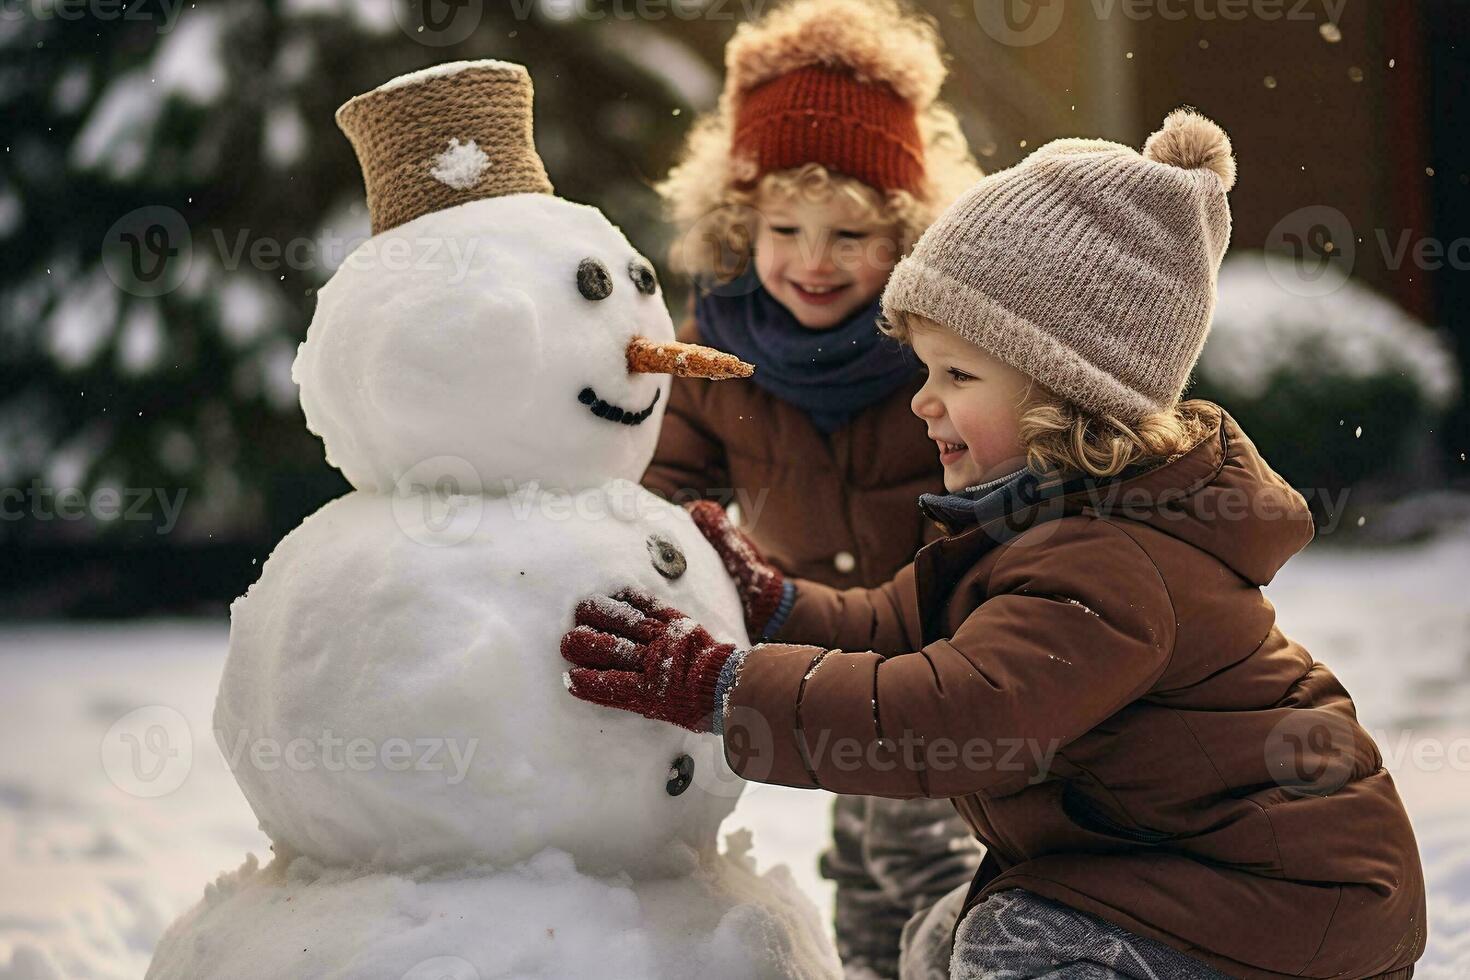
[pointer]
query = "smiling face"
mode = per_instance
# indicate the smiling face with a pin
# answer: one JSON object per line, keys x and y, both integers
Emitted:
{"x": 823, "y": 256}
{"x": 971, "y": 404}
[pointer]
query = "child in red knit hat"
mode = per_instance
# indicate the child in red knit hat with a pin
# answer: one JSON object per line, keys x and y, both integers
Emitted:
{"x": 827, "y": 157}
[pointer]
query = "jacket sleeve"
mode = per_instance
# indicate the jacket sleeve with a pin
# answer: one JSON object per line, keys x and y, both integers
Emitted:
{"x": 1077, "y": 624}
{"x": 884, "y": 620}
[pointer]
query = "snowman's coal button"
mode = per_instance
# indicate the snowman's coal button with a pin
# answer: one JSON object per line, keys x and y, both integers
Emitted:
{"x": 844, "y": 562}
{"x": 668, "y": 560}
{"x": 643, "y": 278}
{"x": 681, "y": 774}
{"x": 593, "y": 280}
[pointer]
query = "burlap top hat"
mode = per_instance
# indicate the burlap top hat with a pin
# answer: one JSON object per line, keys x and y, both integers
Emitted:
{"x": 447, "y": 135}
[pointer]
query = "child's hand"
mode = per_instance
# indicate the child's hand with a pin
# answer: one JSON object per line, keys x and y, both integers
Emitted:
{"x": 759, "y": 583}
{"x": 633, "y": 652}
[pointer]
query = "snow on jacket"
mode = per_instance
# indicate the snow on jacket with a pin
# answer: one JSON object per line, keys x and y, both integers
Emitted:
{"x": 1100, "y": 686}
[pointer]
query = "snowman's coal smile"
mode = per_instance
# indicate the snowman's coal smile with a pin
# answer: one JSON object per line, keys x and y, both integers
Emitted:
{"x": 611, "y": 412}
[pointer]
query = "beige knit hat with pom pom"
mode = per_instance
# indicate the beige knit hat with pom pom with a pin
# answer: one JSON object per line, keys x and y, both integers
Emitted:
{"x": 1089, "y": 266}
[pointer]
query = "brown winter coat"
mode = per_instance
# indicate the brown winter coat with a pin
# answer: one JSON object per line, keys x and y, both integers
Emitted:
{"x": 1210, "y": 786}
{"x": 836, "y": 509}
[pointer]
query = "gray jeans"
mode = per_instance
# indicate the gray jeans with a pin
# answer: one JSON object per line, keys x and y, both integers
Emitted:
{"x": 892, "y": 860}
{"x": 1016, "y": 935}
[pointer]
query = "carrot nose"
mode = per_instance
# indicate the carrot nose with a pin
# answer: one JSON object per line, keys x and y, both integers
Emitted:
{"x": 684, "y": 360}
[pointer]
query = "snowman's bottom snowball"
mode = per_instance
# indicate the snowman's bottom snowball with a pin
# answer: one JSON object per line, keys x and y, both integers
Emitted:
{"x": 543, "y": 918}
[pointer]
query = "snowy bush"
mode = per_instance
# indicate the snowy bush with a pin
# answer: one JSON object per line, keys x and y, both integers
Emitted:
{"x": 1338, "y": 389}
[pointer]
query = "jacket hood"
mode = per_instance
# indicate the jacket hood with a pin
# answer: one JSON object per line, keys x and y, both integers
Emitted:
{"x": 1220, "y": 497}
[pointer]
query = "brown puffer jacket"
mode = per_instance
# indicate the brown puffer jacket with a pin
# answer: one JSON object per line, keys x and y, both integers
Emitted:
{"x": 837, "y": 509}
{"x": 1101, "y": 688}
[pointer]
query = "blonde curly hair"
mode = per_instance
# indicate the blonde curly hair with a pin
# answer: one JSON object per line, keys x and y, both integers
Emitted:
{"x": 707, "y": 195}
{"x": 1058, "y": 435}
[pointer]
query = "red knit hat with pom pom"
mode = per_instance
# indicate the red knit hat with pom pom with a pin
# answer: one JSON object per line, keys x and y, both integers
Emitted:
{"x": 835, "y": 82}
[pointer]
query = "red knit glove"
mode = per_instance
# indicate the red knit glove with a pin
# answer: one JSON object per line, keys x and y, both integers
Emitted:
{"x": 635, "y": 653}
{"x": 759, "y": 583}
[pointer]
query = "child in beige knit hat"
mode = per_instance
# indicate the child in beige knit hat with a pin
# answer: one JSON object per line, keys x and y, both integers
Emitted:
{"x": 1085, "y": 666}
{"x": 1083, "y": 279}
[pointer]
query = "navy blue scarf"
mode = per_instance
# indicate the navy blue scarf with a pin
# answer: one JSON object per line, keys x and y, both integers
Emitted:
{"x": 1015, "y": 493}
{"x": 966, "y": 508}
{"x": 831, "y": 374}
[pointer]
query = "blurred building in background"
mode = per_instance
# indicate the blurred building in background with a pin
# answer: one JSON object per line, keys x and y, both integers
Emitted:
{"x": 173, "y": 191}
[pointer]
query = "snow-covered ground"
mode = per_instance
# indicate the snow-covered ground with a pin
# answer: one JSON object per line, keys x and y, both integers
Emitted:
{"x": 116, "y": 807}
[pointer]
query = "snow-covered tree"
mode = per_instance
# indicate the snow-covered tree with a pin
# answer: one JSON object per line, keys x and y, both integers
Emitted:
{"x": 173, "y": 190}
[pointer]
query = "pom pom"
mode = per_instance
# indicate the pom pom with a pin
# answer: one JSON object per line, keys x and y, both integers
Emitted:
{"x": 1192, "y": 142}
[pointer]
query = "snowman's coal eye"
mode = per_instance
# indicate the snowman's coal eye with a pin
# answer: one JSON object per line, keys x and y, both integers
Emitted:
{"x": 643, "y": 277}
{"x": 593, "y": 280}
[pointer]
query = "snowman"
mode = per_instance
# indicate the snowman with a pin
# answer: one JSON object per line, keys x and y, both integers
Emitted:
{"x": 489, "y": 371}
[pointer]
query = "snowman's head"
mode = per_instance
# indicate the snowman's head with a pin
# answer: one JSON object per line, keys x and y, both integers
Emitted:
{"x": 500, "y": 341}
